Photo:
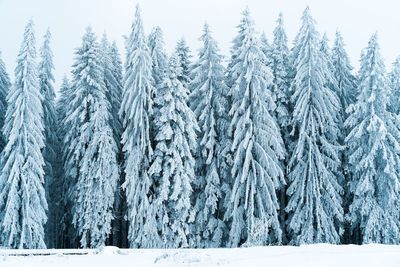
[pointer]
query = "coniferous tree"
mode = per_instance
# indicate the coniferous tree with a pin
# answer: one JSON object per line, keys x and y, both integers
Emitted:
{"x": 51, "y": 150}
{"x": 183, "y": 52}
{"x": 158, "y": 55}
{"x": 172, "y": 168}
{"x": 65, "y": 227}
{"x": 91, "y": 167}
{"x": 136, "y": 112}
{"x": 315, "y": 211}
{"x": 23, "y": 203}
{"x": 343, "y": 74}
{"x": 207, "y": 102}
{"x": 257, "y": 146}
{"x": 374, "y": 149}
{"x": 112, "y": 74}
{"x": 5, "y": 85}
{"x": 394, "y": 79}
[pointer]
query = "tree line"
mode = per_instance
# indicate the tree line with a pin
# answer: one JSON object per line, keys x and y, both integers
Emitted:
{"x": 281, "y": 146}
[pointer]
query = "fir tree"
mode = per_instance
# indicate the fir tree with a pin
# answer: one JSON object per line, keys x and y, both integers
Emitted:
{"x": 343, "y": 74}
{"x": 51, "y": 150}
{"x": 158, "y": 55}
{"x": 394, "y": 79}
{"x": 5, "y": 85}
{"x": 257, "y": 145}
{"x": 136, "y": 112}
{"x": 315, "y": 211}
{"x": 172, "y": 167}
{"x": 183, "y": 52}
{"x": 279, "y": 58}
{"x": 374, "y": 149}
{"x": 22, "y": 195}
{"x": 91, "y": 167}
{"x": 207, "y": 102}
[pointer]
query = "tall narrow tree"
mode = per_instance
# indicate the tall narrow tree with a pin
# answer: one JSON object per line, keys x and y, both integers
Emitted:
{"x": 91, "y": 167}
{"x": 5, "y": 85}
{"x": 207, "y": 102}
{"x": 343, "y": 74}
{"x": 172, "y": 167}
{"x": 183, "y": 52}
{"x": 22, "y": 196}
{"x": 257, "y": 145}
{"x": 51, "y": 150}
{"x": 374, "y": 149}
{"x": 158, "y": 55}
{"x": 136, "y": 112}
{"x": 315, "y": 211}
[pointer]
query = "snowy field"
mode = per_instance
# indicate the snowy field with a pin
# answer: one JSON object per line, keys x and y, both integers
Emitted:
{"x": 312, "y": 255}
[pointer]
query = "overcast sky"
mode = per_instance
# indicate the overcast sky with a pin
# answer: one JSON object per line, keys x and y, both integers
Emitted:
{"x": 67, "y": 20}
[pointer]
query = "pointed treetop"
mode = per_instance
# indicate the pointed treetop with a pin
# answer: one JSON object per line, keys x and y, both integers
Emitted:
{"x": 307, "y": 18}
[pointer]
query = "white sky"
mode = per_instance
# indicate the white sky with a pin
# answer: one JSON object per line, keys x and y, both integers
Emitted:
{"x": 67, "y": 19}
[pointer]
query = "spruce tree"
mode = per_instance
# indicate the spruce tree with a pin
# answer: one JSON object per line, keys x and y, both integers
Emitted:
{"x": 51, "y": 150}
{"x": 314, "y": 207}
{"x": 257, "y": 146}
{"x": 343, "y": 74}
{"x": 280, "y": 67}
{"x": 183, "y": 52}
{"x": 374, "y": 149}
{"x": 23, "y": 203}
{"x": 207, "y": 103}
{"x": 136, "y": 112}
{"x": 172, "y": 168}
{"x": 158, "y": 55}
{"x": 91, "y": 167}
{"x": 5, "y": 85}
{"x": 394, "y": 79}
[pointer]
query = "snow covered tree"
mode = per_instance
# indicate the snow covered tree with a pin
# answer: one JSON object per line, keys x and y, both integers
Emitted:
{"x": 5, "y": 85}
{"x": 257, "y": 145}
{"x": 112, "y": 72}
{"x": 314, "y": 206}
{"x": 265, "y": 48}
{"x": 51, "y": 150}
{"x": 394, "y": 79}
{"x": 22, "y": 195}
{"x": 158, "y": 55}
{"x": 61, "y": 201}
{"x": 172, "y": 168}
{"x": 374, "y": 149}
{"x": 136, "y": 112}
{"x": 207, "y": 103}
{"x": 91, "y": 152}
{"x": 279, "y": 58}
{"x": 183, "y": 52}
{"x": 343, "y": 74}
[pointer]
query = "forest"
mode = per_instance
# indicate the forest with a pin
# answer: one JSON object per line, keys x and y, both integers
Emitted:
{"x": 274, "y": 144}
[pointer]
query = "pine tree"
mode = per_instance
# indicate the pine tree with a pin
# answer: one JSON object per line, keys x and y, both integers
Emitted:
{"x": 172, "y": 168}
{"x": 207, "y": 102}
{"x": 51, "y": 150}
{"x": 22, "y": 196}
{"x": 5, "y": 85}
{"x": 343, "y": 74}
{"x": 136, "y": 112}
{"x": 158, "y": 55}
{"x": 315, "y": 212}
{"x": 394, "y": 79}
{"x": 91, "y": 167}
{"x": 183, "y": 52}
{"x": 374, "y": 149}
{"x": 257, "y": 145}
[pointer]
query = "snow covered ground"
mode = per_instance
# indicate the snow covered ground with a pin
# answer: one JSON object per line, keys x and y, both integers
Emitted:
{"x": 313, "y": 255}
